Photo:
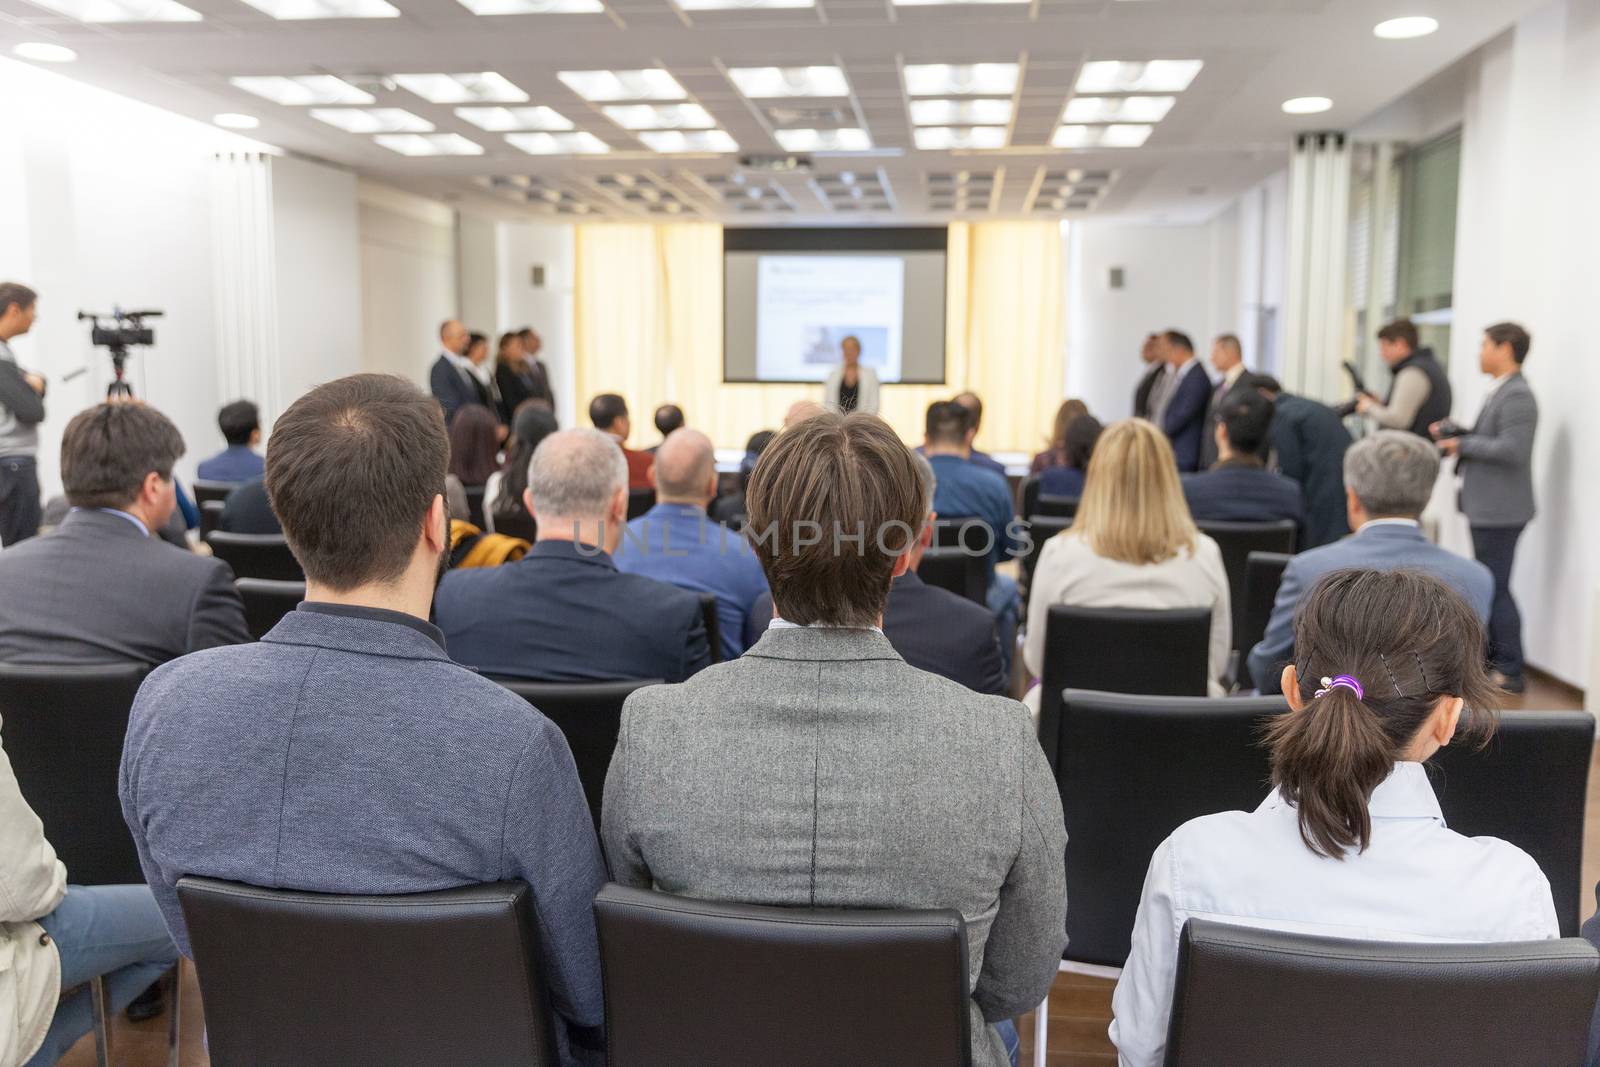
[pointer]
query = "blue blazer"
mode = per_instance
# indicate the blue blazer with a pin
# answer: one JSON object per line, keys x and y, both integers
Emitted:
{"x": 1243, "y": 493}
{"x": 1310, "y": 442}
{"x": 451, "y": 388}
{"x": 1185, "y": 421}
{"x": 237, "y": 463}
{"x": 1384, "y": 546}
{"x": 561, "y": 615}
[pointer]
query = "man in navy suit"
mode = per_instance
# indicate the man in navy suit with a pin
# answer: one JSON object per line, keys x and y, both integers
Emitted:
{"x": 1185, "y": 397}
{"x": 1309, "y": 442}
{"x": 564, "y": 613}
{"x": 452, "y": 381}
{"x": 1240, "y": 488}
{"x": 1388, "y": 479}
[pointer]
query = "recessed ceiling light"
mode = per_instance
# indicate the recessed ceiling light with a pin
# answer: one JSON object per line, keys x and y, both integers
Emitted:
{"x": 845, "y": 140}
{"x": 122, "y": 10}
{"x": 303, "y": 89}
{"x": 660, "y": 116}
{"x": 1307, "y": 105}
{"x": 44, "y": 52}
{"x": 1406, "y": 27}
{"x": 372, "y": 119}
{"x": 483, "y": 87}
{"x": 429, "y": 144}
{"x": 692, "y": 141}
{"x": 558, "y": 144}
{"x": 607, "y": 86}
{"x": 326, "y": 9}
{"x": 970, "y": 79}
{"x": 768, "y": 83}
{"x": 1120, "y": 135}
{"x": 1156, "y": 76}
{"x": 960, "y": 112}
{"x": 935, "y": 138}
{"x": 533, "y": 7}
{"x": 233, "y": 120}
{"x": 742, "y": 5}
{"x": 1118, "y": 108}
{"x": 505, "y": 119}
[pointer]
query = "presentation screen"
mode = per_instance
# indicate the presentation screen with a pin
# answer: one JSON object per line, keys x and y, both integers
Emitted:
{"x": 792, "y": 296}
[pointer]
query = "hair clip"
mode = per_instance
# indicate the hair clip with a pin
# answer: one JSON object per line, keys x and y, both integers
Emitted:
{"x": 1343, "y": 681}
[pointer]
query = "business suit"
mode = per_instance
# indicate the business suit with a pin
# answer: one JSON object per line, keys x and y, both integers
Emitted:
{"x": 564, "y": 613}
{"x": 527, "y": 381}
{"x": 97, "y": 589}
{"x": 1222, "y": 394}
{"x": 1184, "y": 413}
{"x": 248, "y": 511}
{"x": 1142, "y": 408}
{"x": 1241, "y": 491}
{"x": 454, "y": 388}
{"x": 1381, "y": 545}
{"x": 1309, "y": 441}
{"x": 820, "y": 770}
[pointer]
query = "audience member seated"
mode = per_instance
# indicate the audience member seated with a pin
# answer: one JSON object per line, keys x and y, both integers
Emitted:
{"x": 1132, "y": 545}
{"x": 248, "y": 511}
{"x": 1308, "y": 446}
{"x": 502, "y": 493}
{"x": 675, "y": 542}
{"x": 101, "y": 588}
{"x": 564, "y": 613}
{"x": 57, "y": 937}
{"x": 1066, "y": 480}
{"x": 1240, "y": 488}
{"x": 1056, "y": 454}
{"x": 820, "y": 770}
{"x": 1351, "y": 842}
{"x": 1388, "y": 479}
{"x": 240, "y": 423}
{"x": 668, "y": 417}
{"x": 974, "y": 406}
{"x": 800, "y": 411}
{"x": 609, "y": 413}
{"x": 474, "y": 445}
{"x": 1185, "y": 392}
{"x": 345, "y": 752}
{"x": 729, "y": 507}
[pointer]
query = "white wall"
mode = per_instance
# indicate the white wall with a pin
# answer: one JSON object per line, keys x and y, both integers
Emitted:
{"x": 549, "y": 310}
{"x": 408, "y": 279}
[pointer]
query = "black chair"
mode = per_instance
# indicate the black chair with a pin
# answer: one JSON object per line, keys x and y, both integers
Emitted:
{"x": 1263, "y": 573}
{"x": 256, "y": 556}
{"x": 955, "y": 569}
{"x": 965, "y": 532}
{"x": 517, "y": 523}
{"x": 1526, "y": 787}
{"x": 692, "y": 983}
{"x": 474, "y": 495}
{"x": 1035, "y": 502}
{"x": 210, "y": 517}
{"x": 708, "y": 612}
{"x": 266, "y": 602}
{"x": 639, "y": 502}
{"x": 1237, "y": 540}
{"x": 589, "y": 714}
{"x": 64, "y": 727}
{"x": 296, "y": 979}
{"x": 218, "y": 491}
{"x": 1261, "y": 998}
{"x": 1040, "y": 529}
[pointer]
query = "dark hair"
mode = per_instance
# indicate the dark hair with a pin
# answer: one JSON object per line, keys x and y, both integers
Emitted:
{"x": 352, "y": 469}
{"x": 669, "y": 417}
{"x": 1070, "y": 409}
{"x": 506, "y": 339}
{"x": 474, "y": 340}
{"x": 974, "y": 407}
{"x": 1267, "y": 382}
{"x": 1230, "y": 340}
{"x": 947, "y": 423}
{"x": 606, "y": 409}
{"x": 473, "y": 444}
{"x": 753, "y": 448}
{"x": 1179, "y": 339}
{"x": 533, "y": 424}
{"x": 1082, "y": 433}
{"x": 238, "y": 421}
{"x": 1400, "y": 330}
{"x": 18, "y": 294}
{"x": 1501, "y": 333}
{"x": 108, "y": 450}
{"x": 833, "y": 502}
{"x": 1408, "y": 639}
{"x": 1248, "y": 421}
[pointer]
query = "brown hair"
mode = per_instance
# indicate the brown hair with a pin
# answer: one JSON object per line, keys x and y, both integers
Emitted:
{"x": 1132, "y": 507}
{"x": 833, "y": 502}
{"x": 1501, "y": 333}
{"x": 1400, "y": 330}
{"x": 1408, "y": 639}
{"x": 108, "y": 450}
{"x": 947, "y": 423}
{"x": 474, "y": 444}
{"x": 1069, "y": 410}
{"x": 352, "y": 469}
{"x": 18, "y": 294}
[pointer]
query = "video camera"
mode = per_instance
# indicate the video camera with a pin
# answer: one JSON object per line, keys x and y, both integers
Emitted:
{"x": 127, "y": 328}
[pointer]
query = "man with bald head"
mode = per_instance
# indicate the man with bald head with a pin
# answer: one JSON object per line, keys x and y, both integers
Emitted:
{"x": 800, "y": 411}
{"x": 452, "y": 380}
{"x": 675, "y": 542}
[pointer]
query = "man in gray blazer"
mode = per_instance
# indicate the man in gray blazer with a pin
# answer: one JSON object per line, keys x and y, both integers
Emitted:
{"x": 102, "y": 587}
{"x": 1388, "y": 479}
{"x": 820, "y": 770}
{"x": 1495, "y": 460}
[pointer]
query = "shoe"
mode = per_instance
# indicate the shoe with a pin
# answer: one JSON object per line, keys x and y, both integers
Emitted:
{"x": 147, "y": 1005}
{"x": 1508, "y": 683}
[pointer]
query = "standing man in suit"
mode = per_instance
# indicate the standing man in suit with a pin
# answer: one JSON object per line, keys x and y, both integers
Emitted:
{"x": 1239, "y": 488}
{"x": 1227, "y": 357}
{"x": 858, "y": 780}
{"x": 1419, "y": 393}
{"x": 1185, "y": 392}
{"x": 453, "y": 381}
{"x": 345, "y": 752}
{"x": 21, "y": 412}
{"x": 609, "y": 413}
{"x": 538, "y": 369}
{"x": 1495, "y": 460}
{"x": 1309, "y": 442}
{"x": 102, "y": 587}
{"x": 1147, "y": 395}
{"x": 564, "y": 612}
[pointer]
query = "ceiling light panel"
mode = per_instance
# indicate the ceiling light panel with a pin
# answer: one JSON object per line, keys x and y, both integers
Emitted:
{"x": 533, "y": 7}
{"x": 1405, "y": 28}
{"x": 485, "y": 87}
{"x": 692, "y": 141}
{"x": 1307, "y": 105}
{"x": 372, "y": 119}
{"x": 937, "y": 138}
{"x": 558, "y": 144}
{"x": 971, "y": 79}
{"x": 122, "y": 10}
{"x": 770, "y": 83}
{"x": 660, "y": 116}
{"x": 1121, "y": 135}
{"x": 960, "y": 112}
{"x": 506, "y": 119}
{"x": 44, "y": 52}
{"x": 429, "y": 144}
{"x": 301, "y": 90}
{"x": 326, "y": 9}
{"x": 1156, "y": 76}
{"x": 608, "y": 86}
{"x": 846, "y": 140}
{"x": 1118, "y": 108}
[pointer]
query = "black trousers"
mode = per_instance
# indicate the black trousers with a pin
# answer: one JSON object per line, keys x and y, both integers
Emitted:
{"x": 19, "y": 499}
{"x": 1496, "y": 548}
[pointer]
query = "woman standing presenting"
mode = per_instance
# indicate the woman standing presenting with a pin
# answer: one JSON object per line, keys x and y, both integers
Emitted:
{"x": 851, "y": 387}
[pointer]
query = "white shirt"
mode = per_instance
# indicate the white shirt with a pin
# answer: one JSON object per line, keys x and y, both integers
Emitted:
{"x": 779, "y": 623}
{"x": 1417, "y": 881}
{"x": 462, "y": 364}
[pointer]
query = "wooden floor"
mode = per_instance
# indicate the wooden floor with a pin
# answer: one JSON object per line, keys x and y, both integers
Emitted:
{"x": 1080, "y": 1006}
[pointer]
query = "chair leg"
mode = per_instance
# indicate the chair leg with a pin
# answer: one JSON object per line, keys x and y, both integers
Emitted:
{"x": 100, "y": 1012}
{"x": 1041, "y": 1030}
{"x": 174, "y": 1022}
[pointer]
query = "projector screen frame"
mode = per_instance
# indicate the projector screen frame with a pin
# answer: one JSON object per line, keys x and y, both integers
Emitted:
{"x": 779, "y": 240}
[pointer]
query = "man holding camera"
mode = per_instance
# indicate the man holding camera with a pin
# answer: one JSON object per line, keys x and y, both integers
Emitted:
{"x": 21, "y": 411}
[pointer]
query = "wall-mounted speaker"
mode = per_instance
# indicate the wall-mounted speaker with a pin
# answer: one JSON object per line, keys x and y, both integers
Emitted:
{"x": 1116, "y": 277}
{"x": 536, "y": 275}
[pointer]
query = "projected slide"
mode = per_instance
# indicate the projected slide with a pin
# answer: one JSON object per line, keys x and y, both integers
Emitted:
{"x": 806, "y": 305}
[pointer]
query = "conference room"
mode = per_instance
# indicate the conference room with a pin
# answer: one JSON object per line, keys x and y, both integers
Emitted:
{"x": 954, "y": 533}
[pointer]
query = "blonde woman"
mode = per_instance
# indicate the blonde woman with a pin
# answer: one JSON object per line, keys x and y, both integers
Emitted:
{"x": 1132, "y": 545}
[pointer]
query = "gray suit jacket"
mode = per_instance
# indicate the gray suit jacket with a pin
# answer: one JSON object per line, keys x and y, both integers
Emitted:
{"x": 1496, "y": 461}
{"x": 820, "y": 770}
{"x": 96, "y": 590}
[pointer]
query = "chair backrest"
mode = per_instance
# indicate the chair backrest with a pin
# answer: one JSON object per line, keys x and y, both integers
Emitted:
{"x": 955, "y": 569}
{"x": 517, "y": 523}
{"x": 639, "y": 502}
{"x": 1527, "y": 786}
{"x": 64, "y": 727}
{"x": 210, "y": 516}
{"x": 256, "y": 556}
{"x": 693, "y": 983}
{"x": 1263, "y": 573}
{"x": 266, "y": 602}
{"x": 1040, "y": 529}
{"x": 589, "y": 714}
{"x": 964, "y": 531}
{"x": 204, "y": 490}
{"x": 1254, "y": 998}
{"x": 1132, "y": 769}
{"x": 295, "y": 979}
{"x": 708, "y": 613}
{"x": 1056, "y": 507}
{"x": 1237, "y": 540}
{"x": 474, "y": 494}
{"x": 1028, "y": 496}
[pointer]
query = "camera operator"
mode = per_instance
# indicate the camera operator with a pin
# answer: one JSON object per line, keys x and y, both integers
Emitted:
{"x": 21, "y": 411}
{"x": 1419, "y": 394}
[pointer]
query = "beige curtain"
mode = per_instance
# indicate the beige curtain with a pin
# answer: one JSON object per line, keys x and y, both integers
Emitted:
{"x": 649, "y": 326}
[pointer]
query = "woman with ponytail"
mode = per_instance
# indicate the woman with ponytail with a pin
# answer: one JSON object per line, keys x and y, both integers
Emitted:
{"x": 1350, "y": 843}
